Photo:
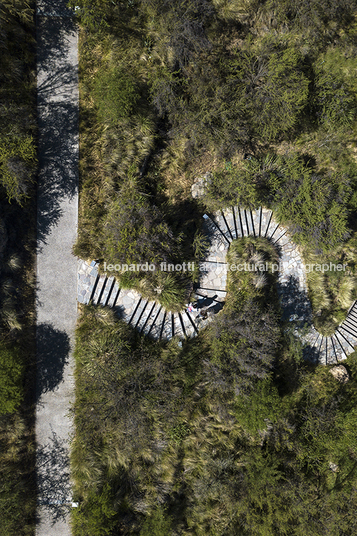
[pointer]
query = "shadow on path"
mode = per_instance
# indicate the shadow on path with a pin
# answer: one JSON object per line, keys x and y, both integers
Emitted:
{"x": 294, "y": 302}
{"x": 53, "y": 349}
{"x": 53, "y": 478}
{"x": 58, "y": 121}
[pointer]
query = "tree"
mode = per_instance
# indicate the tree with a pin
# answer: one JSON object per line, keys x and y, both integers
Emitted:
{"x": 319, "y": 19}
{"x": 97, "y": 517}
{"x": 245, "y": 185}
{"x": 244, "y": 344}
{"x": 335, "y": 90}
{"x": 93, "y": 14}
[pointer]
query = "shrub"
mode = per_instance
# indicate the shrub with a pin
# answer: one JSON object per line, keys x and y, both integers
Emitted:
{"x": 267, "y": 89}
{"x": 232, "y": 187}
{"x": 135, "y": 232}
{"x": 261, "y": 408}
{"x": 314, "y": 205}
{"x": 335, "y": 94}
{"x": 97, "y": 516}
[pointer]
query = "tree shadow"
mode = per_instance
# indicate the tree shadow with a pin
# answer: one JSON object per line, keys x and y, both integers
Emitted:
{"x": 58, "y": 120}
{"x": 53, "y": 349}
{"x": 296, "y": 307}
{"x": 294, "y": 302}
{"x": 53, "y": 478}
{"x": 55, "y": 24}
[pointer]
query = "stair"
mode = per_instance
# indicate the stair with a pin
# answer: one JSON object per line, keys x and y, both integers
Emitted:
{"x": 99, "y": 289}
{"x": 229, "y": 222}
{"x": 267, "y": 216}
{"x": 153, "y": 327}
{"x": 108, "y": 291}
{"x": 341, "y": 346}
{"x": 145, "y": 317}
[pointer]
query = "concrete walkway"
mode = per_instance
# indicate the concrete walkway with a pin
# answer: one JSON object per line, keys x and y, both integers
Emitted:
{"x": 57, "y": 214}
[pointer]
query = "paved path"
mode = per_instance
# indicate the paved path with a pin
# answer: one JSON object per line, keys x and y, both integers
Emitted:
{"x": 221, "y": 228}
{"x": 57, "y": 214}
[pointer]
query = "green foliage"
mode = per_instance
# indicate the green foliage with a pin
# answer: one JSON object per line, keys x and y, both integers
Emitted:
{"x": 11, "y": 379}
{"x": 115, "y": 94}
{"x": 156, "y": 525}
{"x": 232, "y": 432}
{"x": 96, "y": 517}
{"x": 170, "y": 420}
{"x": 268, "y": 89}
{"x": 244, "y": 185}
{"x": 332, "y": 292}
{"x": 262, "y": 408}
{"x": 92, "y": 14}
{"x": 17, "y": 496}
{"x": 17, "y": 236}
{"x": 336, "y": 103}
{"x": 169, "y": 291}
{"x": 17, "y": 125}
{"x": 246, "y": 335}
{"x": 315, "y": 206}
{"x": 127, "y": 230}
{"x": 316, "y": 21}
{"x": 230, "y": 188}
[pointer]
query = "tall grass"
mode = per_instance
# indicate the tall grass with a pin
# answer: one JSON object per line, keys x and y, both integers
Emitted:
{"x": 332, "y": 292}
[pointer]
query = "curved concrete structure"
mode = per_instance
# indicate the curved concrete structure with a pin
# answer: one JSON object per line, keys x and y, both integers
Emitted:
{"x": 221, "y": 228}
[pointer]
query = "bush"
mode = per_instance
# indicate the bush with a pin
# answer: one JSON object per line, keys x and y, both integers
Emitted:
{"x": 134, "y": 232}
{"x": 335, "y": 90}
{"x": 97, "y": 515}
{"x": 314, "y": 205}
{"x": 262, "y": 408}
{"x": 267, "y": 90}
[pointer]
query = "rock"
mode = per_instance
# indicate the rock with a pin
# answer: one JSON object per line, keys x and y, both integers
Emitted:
{"x": 335, "y": 468}
{"x": 198, "y": 188}
{"x": 340, "y": 373}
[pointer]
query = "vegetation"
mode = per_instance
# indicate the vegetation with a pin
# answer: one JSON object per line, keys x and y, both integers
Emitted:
{"x": 230, "y": 433}
{"x": 17, "y": 241}
{"x": 260, "y": 93}
{"x": 17, "y": 125}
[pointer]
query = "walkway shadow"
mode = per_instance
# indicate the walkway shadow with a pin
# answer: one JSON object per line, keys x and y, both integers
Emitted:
{"x": 58, "y": 164}
{"x": 58, "y": 121}
{"x": 294, "y": 302}
{"x": 53, "y": 33}
{"x": 296, "y": 307}
{"x": 311, "y": 354}
{"x": 53, "y": 349}
{"x": 53, "y": 478}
